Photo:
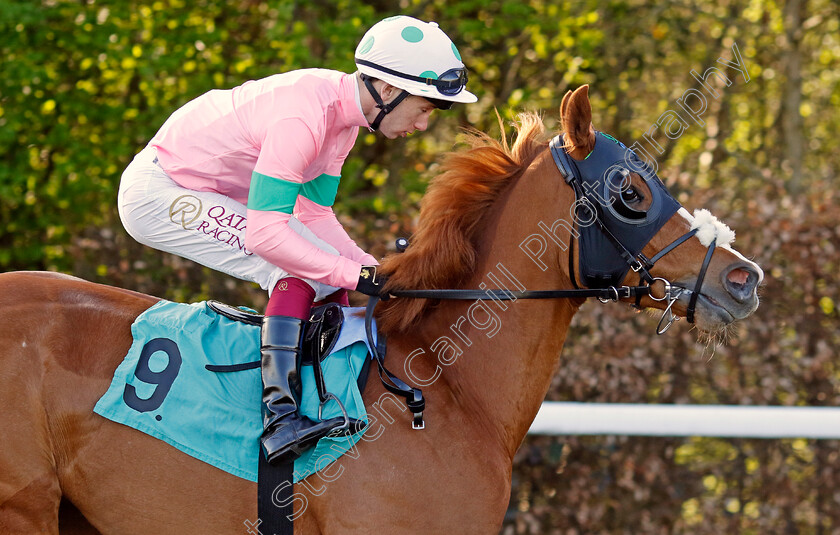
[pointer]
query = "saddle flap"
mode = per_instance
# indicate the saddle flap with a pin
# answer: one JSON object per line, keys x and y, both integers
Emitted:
{"x": 321, "y": 332}
{"x": 235, "y": 313}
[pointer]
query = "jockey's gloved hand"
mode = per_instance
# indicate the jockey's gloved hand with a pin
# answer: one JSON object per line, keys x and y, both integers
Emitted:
{"x": 371, "y": 282}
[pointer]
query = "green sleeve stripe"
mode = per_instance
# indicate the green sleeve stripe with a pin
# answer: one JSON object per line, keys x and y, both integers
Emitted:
{"x": 322, "y": 190}
{"x": 271, "y": 194}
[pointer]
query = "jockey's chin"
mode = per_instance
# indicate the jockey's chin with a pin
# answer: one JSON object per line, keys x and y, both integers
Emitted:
{"x": 411, "y": 115}
{"x": 393, "y": 134}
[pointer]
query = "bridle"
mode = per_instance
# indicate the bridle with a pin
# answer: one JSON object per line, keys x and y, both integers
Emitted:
{"x": 635, "y": 261}
{"x": 638, "y": 262}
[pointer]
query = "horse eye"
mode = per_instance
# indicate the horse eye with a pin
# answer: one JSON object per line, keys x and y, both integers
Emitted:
{"x": 631, "y": 195}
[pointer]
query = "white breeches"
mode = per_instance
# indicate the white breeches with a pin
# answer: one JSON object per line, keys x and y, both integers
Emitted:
{"x": 205, "y": 227}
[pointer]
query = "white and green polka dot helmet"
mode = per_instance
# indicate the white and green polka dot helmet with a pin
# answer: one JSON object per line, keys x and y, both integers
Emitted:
{"x": 415, "y": 56}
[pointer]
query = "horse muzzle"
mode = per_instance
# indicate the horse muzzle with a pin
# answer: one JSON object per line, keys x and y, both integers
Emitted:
{"x": 734, "y": 297}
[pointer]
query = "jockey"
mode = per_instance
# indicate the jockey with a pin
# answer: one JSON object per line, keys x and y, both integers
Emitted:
{"x": 269, "y": 153}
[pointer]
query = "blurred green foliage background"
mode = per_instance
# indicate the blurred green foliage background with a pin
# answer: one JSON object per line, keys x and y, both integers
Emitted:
{"x": 85, "y": 84}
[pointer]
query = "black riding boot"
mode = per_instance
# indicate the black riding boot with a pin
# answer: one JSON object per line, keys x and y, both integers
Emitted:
{"x": 287, "y": 434}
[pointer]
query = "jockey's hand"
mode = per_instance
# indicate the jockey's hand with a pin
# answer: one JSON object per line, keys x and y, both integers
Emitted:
{"x": 371, "y": 282}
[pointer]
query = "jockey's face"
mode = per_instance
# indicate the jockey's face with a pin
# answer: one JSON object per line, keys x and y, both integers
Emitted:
{"x": 410, "y": 115}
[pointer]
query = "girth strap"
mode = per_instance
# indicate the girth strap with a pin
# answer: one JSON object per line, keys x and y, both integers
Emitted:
{"x": 275, "y": 503}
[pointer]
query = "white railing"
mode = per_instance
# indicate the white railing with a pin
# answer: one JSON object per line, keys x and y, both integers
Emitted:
{"x": 567, "y": 418}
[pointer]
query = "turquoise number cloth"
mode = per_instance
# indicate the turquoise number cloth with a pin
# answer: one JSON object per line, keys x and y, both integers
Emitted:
{"x": 162, "y": 387}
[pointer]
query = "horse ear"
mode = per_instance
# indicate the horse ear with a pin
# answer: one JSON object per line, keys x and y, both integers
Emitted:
{"x": 576, "y": 114}
{"x": 565, "y": 104}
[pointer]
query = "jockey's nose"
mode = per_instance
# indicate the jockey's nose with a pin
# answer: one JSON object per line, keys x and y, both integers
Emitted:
{"x": 422, "y": 122}
{"x": 741, "y": 280}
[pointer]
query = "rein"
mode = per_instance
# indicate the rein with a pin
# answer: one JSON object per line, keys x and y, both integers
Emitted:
{"x": 638, "y": 263}
{"x": 611, "y": 293}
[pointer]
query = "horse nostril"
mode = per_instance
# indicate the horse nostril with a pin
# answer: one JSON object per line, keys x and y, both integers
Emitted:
{"x": 741, "y": 282}
{"x": 738, "y": 276}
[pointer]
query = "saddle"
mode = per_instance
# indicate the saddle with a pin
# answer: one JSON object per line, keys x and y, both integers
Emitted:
{"x": 320, "y": 333}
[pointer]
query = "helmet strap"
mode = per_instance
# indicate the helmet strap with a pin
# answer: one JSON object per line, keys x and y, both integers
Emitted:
{"x": 384, "y": 109}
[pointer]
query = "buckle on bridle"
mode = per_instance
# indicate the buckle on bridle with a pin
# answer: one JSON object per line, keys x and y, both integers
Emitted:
{"x": 638, "y": 266}
{"x": 624, "y": 292}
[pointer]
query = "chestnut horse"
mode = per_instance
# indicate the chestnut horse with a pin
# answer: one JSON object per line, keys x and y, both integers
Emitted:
{"x": 485, "y": 367}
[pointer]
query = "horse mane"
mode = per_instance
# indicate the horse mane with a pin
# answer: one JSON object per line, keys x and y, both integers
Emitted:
{"x": 442, "y": 253}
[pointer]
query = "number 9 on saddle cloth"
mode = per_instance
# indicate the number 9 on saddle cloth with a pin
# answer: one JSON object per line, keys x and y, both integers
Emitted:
{"x": 164, "y": 389}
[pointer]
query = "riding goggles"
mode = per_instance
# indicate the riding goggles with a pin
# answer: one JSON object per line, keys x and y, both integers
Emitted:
{"x": 449, "y": 83}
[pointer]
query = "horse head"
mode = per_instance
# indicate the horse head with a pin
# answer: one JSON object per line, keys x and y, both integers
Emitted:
{"x": 618, "y": 228}
{"x": 631, "y": 231}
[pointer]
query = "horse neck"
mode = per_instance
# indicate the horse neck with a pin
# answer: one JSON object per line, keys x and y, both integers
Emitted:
{"x": 510, "y": 350}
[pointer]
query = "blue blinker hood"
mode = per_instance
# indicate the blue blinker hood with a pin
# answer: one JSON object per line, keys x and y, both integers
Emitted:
{"x": 606, "y": 222}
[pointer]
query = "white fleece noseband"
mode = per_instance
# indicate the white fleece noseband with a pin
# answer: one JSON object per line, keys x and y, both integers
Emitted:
{"x": 709, "y": 227}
